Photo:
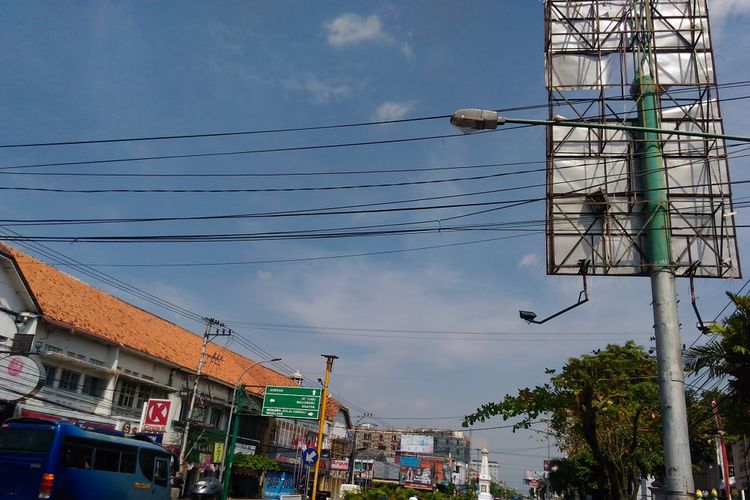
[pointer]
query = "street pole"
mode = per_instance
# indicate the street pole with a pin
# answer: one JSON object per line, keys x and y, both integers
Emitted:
{"x": 353, "y": 457}
{"x": 322, "y": 419}
{"x": 650, "y": 169}
{"x": 722, "y": 445}
{"x": 228, "y": 457}
{"x": 229, "y": 452}
{"x": 191, "y": 406}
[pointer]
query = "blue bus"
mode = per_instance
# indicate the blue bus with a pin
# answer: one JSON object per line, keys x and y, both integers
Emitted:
{"x": 61, "y": 461}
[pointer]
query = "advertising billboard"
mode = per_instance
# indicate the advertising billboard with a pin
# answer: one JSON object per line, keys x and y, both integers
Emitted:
{"x": 278, "y": 484}
{"x": 416, "y": 473}
{"x": 417, "y": 443}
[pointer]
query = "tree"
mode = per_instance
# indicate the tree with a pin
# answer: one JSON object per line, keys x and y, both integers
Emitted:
{"x": 605, "y": 403}
{"x": 727, "y": 354}
{"x": 574, "y": 475}
{"x": 502, "y": 491}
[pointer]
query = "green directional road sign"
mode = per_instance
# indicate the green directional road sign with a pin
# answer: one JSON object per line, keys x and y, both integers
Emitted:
{"x": 292, "y": 402}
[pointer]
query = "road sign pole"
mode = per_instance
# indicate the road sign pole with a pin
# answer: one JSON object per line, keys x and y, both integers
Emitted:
{"x": 322, "y": 420}
{"x": 229, "y": 450}
{"x": 677, "y": 461}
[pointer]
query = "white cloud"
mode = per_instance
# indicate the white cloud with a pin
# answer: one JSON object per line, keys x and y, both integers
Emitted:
{"x": 265, "y": 275}
{"x": 225, "y": 37}
{"x": 321, "y": 91}
{"x": 420, "y": 299}
{"x": 723, "y": 9}
{"x": 529, "y": 260}
{"x": 391, "y": 110}
{"x": 352, "y": 29}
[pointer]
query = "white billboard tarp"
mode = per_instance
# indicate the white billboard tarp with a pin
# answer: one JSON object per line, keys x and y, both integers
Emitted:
{"x": 417, "y": 443}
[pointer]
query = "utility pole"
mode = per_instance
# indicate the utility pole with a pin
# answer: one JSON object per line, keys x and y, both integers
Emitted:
{"x": 221, "y": 330}
{"x": 650, "y": 170}
{"x": 322, "y": 419}
{"x": 353, "y": 455}
{"x": 722, "y": 445}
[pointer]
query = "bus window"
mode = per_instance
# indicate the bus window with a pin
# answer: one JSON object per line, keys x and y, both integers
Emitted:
{"x": 161, "y": 471}
{"x": 77, "y": 454}
{"x": 107, "y": 459}
{"x": 146, "y": 460}
{"x": 127, "y": 461}
{"x": 26, "y": 440}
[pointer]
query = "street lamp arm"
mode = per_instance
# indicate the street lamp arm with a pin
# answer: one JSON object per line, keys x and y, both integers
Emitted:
{"x": 468, "y": 120}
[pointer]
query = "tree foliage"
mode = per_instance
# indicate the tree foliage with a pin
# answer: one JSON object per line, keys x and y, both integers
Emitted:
{"x": 255, "y": 462}
{"x": 727, "y": 354}
{"x": 574, "y": 476}
{"x": 605, "y": 403}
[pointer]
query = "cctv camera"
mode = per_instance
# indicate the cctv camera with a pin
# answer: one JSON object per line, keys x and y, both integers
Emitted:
{"x": 527, "y": 315}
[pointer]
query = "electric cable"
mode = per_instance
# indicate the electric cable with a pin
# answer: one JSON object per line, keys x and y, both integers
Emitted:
{"x": 726, "y": 85}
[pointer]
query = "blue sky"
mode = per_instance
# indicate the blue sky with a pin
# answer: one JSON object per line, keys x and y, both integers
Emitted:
{"x": 90, "y": 70}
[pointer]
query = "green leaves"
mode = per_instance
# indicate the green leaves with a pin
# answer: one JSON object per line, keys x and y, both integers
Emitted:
{"x": 256, "y": 462}
{"x": 602, "y": 405}
{"x": 727, "y": 354}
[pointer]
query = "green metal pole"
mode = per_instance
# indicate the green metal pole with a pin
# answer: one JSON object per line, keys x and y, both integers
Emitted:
{"x": 655, "y": 210}
{"x": 229, "y": 452}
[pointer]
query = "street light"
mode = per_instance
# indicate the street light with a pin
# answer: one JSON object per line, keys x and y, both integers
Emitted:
{"x": 471, "y": 119}
{"x": 232, "y": 409}
{"x": 657, "y": 254}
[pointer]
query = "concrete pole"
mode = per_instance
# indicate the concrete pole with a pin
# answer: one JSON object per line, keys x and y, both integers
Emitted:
{"x": 650, "y": 172}
{"x": 321, "y": 424}
{"x": 201, "y": 361}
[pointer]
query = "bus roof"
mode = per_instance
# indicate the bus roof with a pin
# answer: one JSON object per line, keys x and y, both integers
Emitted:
{"x": 74, "y": 430}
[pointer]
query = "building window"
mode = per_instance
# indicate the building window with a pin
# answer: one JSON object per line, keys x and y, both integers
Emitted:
{"x": 127, "y": 394}
{"x": 97, "y": 362}
{"x": 93, "y": 386}
{"x": 52, "y": 348}
{"x": 69, "y": 380}
{"x": 215, "y": 418}
{"x": 144, "y": 394}
{"x": 50, "y": 372}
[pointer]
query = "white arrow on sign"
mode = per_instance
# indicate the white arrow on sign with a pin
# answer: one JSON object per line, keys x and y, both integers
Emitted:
{"x": 271, "y": 400}
{"x": 315, "y": 391}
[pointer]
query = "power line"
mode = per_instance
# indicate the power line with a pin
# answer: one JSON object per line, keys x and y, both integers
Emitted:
{"x": 245, "y": 151}
{"x": 326, "y": 173}
{"x": 272, "y": 190}
{"x": 329, "y": 210}
{"x": 312, "y": 259}
{"x": 727, "y": 85}
{"x": 222, "y": 134}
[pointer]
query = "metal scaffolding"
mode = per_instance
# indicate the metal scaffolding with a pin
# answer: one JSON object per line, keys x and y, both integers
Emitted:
{"x": 594, "y": 51}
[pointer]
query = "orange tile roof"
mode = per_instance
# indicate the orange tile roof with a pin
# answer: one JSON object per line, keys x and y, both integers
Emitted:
{"x": 64, "y": 299}
{"x": 332, "y": 408}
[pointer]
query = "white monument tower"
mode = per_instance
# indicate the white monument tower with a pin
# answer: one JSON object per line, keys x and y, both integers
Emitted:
{"x": 484, "y": 478}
